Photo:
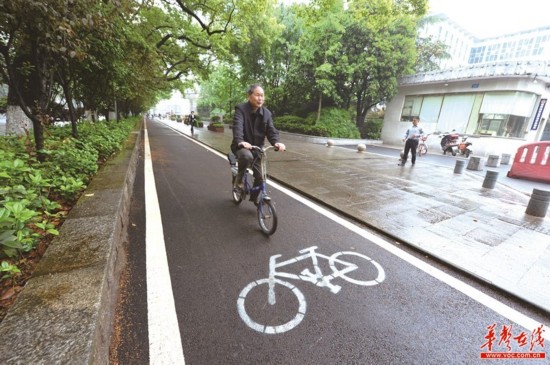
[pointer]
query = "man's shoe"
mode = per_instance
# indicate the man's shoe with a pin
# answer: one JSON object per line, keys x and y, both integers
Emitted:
{"x": 238, "y": 182}
{"x": 400, "y": 164}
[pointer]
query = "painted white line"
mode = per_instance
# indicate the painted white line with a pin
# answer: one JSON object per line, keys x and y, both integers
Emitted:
{"x": 164, "y": 335}
{"x": 482, "y": 298}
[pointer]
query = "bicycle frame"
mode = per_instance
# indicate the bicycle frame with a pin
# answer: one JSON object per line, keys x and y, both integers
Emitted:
{"x": 316, "y": 278}
{"x": 249, "y": 188}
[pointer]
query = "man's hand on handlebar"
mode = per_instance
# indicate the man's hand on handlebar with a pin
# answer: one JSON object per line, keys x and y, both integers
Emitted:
{"x": 278, "y": 146}
{"x": 246, "y": 145}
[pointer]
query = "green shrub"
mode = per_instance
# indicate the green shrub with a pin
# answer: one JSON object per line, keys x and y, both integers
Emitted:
{"x": 333, "y": 123}
{"x": 291, "y": 123}
{"x": 31, "y": 191}
{"x": 372, "y": 129}
{"x": 337, "y": 123}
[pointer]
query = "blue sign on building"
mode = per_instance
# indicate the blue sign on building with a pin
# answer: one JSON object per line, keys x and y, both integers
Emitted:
{"x": 538, "y": 115}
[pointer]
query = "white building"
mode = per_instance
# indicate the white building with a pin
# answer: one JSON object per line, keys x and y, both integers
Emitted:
{"x": 492, "y": 90}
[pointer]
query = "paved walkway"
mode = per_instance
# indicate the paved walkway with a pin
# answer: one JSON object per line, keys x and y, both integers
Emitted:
{"x": 484, "y": 232}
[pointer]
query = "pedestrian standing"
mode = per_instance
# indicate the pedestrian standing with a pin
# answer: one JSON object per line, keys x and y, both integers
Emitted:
{"x": 192, "y": 121}
{"x": 412, "y": 138}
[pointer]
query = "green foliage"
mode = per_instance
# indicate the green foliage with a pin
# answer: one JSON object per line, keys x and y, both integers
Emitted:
{"x": 8, "y": 270}
{"x": 337, "y": 123}
{"x": 333, "y": 123}
{"x": 31, "y": 192}
{"x": 221, "y": 90}
{"x": 317, "y": 55}
{"x": 292, "y": 124}
{"x": 372, "y": 129}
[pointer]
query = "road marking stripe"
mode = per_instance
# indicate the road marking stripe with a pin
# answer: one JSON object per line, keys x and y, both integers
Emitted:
{"x": 504, "y": 310}
{"x": 164, "y": 335}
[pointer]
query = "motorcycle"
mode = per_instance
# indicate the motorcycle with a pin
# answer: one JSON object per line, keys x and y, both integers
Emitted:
{"x": 450, "y": 143}
{"x": 465, "y": 147}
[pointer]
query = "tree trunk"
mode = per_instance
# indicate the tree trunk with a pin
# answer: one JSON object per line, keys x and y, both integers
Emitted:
{"x": 361, "y": 110}
{"x": 319, "y": 108}
{"x": 69, "y": 99}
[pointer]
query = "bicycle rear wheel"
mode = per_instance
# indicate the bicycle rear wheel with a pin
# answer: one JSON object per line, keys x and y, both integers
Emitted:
{"x": 267, "y": 217}
{"x": 236, "y": 193}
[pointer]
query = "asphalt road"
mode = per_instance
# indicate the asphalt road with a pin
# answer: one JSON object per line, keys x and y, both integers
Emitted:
{"x": 387, "y": 310}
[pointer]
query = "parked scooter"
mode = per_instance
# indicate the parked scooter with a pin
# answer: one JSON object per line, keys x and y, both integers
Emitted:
{"x": 450, "y": 144}
{"x": 465, "y": 147}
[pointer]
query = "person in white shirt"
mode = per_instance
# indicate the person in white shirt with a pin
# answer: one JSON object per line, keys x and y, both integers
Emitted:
{"x": 412, "y": 138}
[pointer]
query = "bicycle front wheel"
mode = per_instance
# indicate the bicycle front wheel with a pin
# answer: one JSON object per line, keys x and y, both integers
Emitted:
{"x": 267, "y": 217}
{"x": 422, "y": 150}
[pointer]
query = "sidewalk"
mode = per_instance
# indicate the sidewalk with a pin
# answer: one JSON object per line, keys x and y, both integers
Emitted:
{"x": 484, "y": 232}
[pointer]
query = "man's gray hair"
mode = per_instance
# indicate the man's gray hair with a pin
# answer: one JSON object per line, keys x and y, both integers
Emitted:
{"x": 252, "y": 87}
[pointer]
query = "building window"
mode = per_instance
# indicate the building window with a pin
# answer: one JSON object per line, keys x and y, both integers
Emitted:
{"x": 492, "y": 53}
{"x": 476, "y": 55}
{"x": 502, "y": 125}
{"x": 411, "y": 108}
{"x": 491, "y": 124}
{"x": 505, "y": 114}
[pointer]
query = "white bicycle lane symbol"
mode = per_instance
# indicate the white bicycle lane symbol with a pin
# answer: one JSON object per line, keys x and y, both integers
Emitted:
{"x": 317, "y": 278}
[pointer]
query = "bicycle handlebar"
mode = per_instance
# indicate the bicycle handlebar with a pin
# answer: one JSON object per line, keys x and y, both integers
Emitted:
{"x": 264, "y": 149}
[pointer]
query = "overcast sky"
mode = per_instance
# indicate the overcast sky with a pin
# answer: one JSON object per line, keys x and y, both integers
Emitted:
{"x": 489, "y": 18}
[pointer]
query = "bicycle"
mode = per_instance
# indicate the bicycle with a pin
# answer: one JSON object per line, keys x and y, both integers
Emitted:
{"x": 376, "y": 275}
{"x": 422, "y": 148}
{"x": 267, "y": 216}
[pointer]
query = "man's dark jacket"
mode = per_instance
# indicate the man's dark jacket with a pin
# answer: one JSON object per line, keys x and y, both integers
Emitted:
{"x": 253, "y": 128}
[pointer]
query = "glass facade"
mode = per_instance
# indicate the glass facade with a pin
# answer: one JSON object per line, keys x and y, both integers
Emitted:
{"x": 496, "y": 114}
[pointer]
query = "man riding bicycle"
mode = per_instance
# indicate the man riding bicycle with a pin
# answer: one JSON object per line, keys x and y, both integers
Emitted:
{"x": 252, "y": 123}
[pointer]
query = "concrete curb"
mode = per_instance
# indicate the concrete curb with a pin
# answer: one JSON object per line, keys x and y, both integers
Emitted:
{"x": 65, "y": 313}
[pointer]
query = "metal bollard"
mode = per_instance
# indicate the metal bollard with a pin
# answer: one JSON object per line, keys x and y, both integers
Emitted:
{"x": 490, "y": 179}
{"x": 459, "y": 166}
{"x": 475, "y": 163}
{"x": 538, "y": 204}
{"x": 505, "y": 160}
{"x": 493, "y": 161}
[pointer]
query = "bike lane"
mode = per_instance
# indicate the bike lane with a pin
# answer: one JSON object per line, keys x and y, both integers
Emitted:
{"x": 215, "y": 251}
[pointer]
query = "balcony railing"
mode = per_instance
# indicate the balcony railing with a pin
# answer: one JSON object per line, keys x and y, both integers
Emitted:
{"x": 538, "y": 69}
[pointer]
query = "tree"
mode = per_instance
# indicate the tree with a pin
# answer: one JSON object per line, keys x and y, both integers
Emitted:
{"x": 319, "y": 51}
{"x": 380, "y": 47}
{"x": 40, "y": 44}
{"x": 430, "y": 52}
{"x": 222, "y": 89}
